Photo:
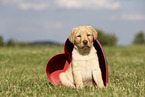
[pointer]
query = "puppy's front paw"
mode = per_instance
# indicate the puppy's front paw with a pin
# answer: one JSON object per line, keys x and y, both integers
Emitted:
{"x": 79, "y": 86}
{"x": 101, "y": 86}
{"x": 72, "y": 86}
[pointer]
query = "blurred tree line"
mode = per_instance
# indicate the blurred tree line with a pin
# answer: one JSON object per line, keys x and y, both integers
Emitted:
{"x": 104, "y": 38}
{"x": 12, "y": 42}
{"x": 111, "y": 39}
{"x": 139, "y": 38}
{"x": 1, "y": 41}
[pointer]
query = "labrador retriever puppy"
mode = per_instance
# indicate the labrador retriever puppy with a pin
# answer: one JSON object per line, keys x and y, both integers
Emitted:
{"x": 84, "y": 69}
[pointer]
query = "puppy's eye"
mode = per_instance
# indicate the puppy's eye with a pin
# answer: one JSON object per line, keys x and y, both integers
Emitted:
{"x": 78, "y": 35}
{"x": 88, "y": 34}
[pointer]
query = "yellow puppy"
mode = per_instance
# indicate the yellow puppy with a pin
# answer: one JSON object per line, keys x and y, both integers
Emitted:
{"x": 84, "y": 68}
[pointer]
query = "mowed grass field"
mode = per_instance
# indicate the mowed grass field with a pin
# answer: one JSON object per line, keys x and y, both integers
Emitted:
{"x": 22, "y": 73}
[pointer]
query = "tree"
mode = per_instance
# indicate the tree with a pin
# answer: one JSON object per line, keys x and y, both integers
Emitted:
{"x": 1, "y": 41}
{"x": 139, "y": 38}
{"x": 106, "y": 39}
{"x": 12, "y": 42}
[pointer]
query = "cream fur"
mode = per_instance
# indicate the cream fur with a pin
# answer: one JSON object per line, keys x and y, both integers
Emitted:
{"x": 84, "y": 67}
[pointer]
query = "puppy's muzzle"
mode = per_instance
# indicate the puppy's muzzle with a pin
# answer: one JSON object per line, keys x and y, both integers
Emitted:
{"x": 85, "y": 42}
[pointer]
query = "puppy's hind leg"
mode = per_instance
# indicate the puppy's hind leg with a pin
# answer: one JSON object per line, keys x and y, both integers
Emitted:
{"x": 65, "y": 81}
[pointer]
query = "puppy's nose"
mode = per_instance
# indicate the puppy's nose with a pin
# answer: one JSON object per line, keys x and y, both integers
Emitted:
{"x": 85, "y": 42}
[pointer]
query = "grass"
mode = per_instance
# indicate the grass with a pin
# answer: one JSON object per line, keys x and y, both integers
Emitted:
{"x": 22, "y": 73}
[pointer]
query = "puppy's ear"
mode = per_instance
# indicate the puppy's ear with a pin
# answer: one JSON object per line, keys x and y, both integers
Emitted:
{"x": 94, "y": 32}
{"x": 72, "y": 36}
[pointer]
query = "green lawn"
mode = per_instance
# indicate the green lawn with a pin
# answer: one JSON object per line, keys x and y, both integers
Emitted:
{"x": 22, "y": 73}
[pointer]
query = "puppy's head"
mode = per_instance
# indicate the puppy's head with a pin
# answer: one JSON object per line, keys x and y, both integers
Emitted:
{"x": 83, "y": 36}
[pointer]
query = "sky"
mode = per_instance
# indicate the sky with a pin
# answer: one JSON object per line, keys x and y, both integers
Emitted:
{"x": 53, "y": 20}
